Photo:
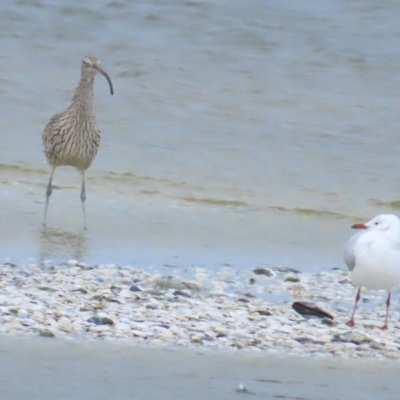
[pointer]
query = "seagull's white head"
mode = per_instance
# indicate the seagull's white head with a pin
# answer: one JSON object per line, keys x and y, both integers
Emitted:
{"x": 383, "y": 222}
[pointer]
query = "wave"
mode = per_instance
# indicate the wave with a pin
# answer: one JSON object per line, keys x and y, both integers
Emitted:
{"x": 130, "y": 184}
{"x": 215, "y": 202}
{"x": 394, "y": 204}
{"x": 313, "y": 212}
{"x": 24, "y": 170}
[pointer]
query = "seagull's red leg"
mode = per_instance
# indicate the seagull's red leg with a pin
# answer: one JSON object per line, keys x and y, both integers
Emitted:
{"x": 358, "y": 296}
{"x": 384, "y": 327}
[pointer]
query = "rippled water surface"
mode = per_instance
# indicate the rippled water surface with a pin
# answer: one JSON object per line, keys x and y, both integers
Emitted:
{"x": 240, "y": 132}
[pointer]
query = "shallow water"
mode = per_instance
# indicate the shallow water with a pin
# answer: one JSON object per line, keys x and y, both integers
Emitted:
{"x": 103, "y": 371}
{"x": 238, "y": 133}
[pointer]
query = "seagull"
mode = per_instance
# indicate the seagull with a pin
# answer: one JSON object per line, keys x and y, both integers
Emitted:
{"x": 373, "y": 257}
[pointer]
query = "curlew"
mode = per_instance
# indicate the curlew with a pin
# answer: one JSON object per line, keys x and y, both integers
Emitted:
{"x": 72, "y": 137}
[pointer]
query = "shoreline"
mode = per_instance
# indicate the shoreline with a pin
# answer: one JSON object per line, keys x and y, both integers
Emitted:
{"x": 51, "y": 369}
{"x": 227, "y": 310}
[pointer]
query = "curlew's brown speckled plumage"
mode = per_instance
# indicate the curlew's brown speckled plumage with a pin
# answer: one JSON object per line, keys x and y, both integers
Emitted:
{"x": 72, "y": 137}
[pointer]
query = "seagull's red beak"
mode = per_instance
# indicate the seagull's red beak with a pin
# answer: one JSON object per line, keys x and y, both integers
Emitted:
{"x": 360, "y": 226}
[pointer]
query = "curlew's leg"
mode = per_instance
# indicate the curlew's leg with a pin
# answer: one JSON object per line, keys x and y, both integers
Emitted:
{"x": 48, "y": 194}
{"x": 83, "y": 198}
{"x": 351, "y": 322}
{"x": 384, "y": 327}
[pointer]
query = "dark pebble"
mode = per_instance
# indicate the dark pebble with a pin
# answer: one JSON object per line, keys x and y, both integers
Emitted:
{"x": 180, "y": 293}
{"x": 309, "y": 310}
{"x": 135, "y": 288}
{"x": 263, "y": 271}
{"x": 287, "y": 270}
{"x": 101, "y": 321}
{"x": 305, "y": 340}
{"x": 154, "y": 292}
{"x": 81, "y": 290}
{"x": 264, "y": 312}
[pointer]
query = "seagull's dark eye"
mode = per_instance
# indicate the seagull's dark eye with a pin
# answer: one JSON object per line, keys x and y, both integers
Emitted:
{"x": 376, "y": 223}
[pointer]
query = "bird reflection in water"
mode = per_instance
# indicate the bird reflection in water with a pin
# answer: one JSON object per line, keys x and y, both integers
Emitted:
{"x": 57, "y": 245}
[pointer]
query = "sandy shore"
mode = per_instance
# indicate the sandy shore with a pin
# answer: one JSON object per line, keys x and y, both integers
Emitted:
{"x": 223, "y": 311}
{"x": 102, "y": 332}
{"x": 58, "y": 369}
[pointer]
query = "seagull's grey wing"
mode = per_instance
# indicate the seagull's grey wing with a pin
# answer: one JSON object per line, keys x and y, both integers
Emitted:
{"x": 348, "y": 255}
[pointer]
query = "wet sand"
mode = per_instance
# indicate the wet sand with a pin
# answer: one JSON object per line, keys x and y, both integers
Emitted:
{"x": 151, "y": 231}
{"x": 55, "y": 369}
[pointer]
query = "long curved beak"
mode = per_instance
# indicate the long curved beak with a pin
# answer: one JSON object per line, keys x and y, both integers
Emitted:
{"x": 360, "y": 226}
{"x": 104, "y": 73}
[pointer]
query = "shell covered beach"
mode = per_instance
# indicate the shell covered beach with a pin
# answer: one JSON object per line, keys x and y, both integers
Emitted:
{"x": 241, "y": 136}
{"x": 230, "y": 310}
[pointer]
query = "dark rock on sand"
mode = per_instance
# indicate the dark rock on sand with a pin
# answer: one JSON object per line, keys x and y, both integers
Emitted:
{"x": 264, "y": 271}
{"x": 101, "y": 320}
{"x": 310, "y": 310}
